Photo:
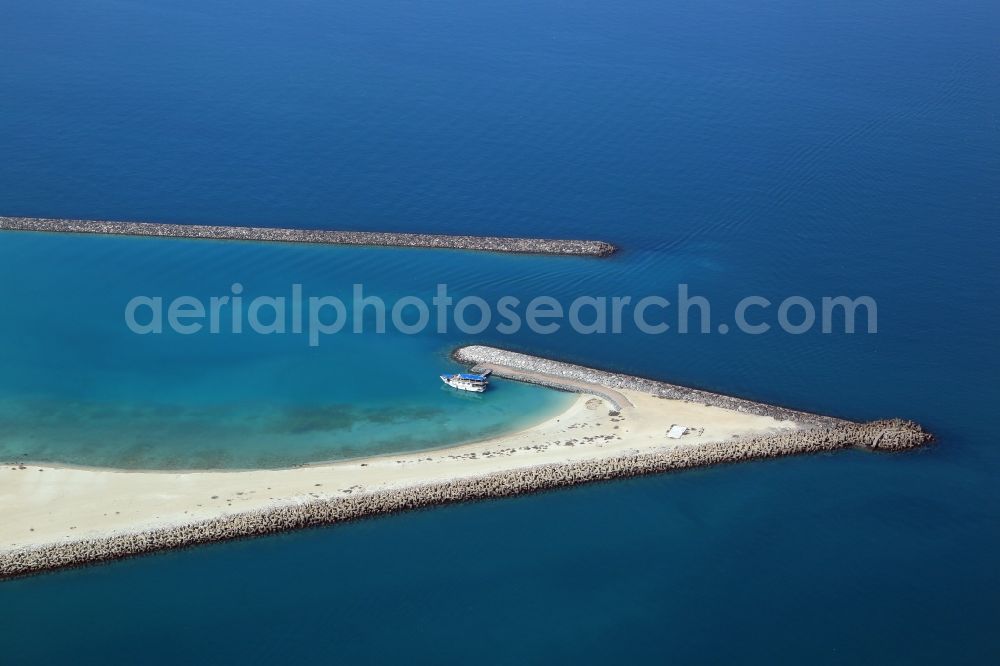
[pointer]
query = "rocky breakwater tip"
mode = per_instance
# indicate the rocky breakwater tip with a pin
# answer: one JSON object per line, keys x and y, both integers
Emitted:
{"x": 890, "y": 435}
{"x": 501, "y": 244}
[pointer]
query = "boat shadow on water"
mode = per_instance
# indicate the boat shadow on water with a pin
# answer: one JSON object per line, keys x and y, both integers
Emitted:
{"x": 468, "y": 396}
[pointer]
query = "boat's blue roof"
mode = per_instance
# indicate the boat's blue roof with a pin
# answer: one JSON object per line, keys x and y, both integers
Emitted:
{"x": 471, "y": 376}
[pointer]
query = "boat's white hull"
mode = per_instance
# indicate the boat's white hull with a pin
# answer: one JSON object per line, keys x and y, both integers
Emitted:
{"x": 463, "y": 385}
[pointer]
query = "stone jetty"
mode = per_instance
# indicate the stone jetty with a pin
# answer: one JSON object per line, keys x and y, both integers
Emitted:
{"x": 571, "y": 377}
{"x": 548, "y": 246}
{"x": 887, "y": 435}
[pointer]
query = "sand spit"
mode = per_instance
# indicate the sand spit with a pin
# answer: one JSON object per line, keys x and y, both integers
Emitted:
{"x": 616, "y": 427}
{"x": 568, "y": 376}
{"x": 549, "y": 246}
{"x": 889, "y": 435}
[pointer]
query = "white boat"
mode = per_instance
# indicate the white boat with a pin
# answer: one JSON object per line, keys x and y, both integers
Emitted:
{"x": 466, "y": 382}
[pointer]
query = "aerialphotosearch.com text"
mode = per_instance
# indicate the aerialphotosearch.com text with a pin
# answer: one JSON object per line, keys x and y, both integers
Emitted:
{"x": 319, "y": 316}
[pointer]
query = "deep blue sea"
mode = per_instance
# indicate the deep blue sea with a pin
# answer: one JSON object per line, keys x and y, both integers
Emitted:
{"x": 740, "y": 147}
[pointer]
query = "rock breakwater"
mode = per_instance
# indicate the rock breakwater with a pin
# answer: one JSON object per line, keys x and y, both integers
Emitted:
{"x": 888, "y": 435}
{"x": 558, "y": 374}
{"x": 588, "y": 248}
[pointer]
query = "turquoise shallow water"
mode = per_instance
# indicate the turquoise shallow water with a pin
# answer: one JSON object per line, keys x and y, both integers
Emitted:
{"x": 742, "y": 147}
{"x": 80, "y": 387}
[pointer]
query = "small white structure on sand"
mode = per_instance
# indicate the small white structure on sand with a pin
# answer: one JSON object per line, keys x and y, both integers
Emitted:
{"x": 676, "y": 431}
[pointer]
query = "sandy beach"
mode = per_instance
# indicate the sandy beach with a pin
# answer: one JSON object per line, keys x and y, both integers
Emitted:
{"x": 47, "y": 504}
